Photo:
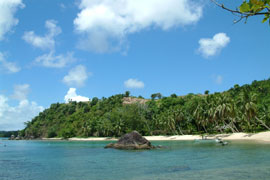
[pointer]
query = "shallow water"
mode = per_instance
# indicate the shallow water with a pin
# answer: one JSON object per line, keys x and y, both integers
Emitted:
{"x": 188, "y": 160}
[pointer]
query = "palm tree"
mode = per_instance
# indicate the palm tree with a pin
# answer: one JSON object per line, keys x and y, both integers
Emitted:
{"x": 247, "y": 104}
{"x": 200, "y": 115}
{"x": 225, "y": 112}
{"x": 265, "y": 114}
{"x": 119, "y": 126}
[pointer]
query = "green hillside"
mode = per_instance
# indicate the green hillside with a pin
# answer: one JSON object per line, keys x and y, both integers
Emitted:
{"x": 240, "y": 109}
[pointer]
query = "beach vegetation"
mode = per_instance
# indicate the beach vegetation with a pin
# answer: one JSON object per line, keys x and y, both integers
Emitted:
{"x": 243, "y": 108}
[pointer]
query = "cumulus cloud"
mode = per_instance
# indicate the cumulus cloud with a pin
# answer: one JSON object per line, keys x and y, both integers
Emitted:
{"x": 55, "y": 61}
{"x": 106, "y": 23}
{"x": 44, "y": 42}
{"x": 47, "y": 42}
{"x": 72, "y": 96}
{"x": 76, "y": 76}
{"x": 212, "y": 46}
{"x": 134, "y": 84}
{"x": 8, "y": 9}
{"x": 10, "y": 67}
{"x": 21, "y": 91}
{"x": 13, "y": 117}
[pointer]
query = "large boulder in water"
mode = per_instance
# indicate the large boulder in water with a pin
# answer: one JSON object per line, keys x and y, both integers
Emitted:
{"x": 131, "y": 141}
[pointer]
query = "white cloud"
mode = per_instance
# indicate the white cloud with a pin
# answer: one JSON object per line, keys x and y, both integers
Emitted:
{"x": 133, "y": 84}
{"x": 44, "y": 42}
{"x": 219, "y": 79}
{"x": 13, "y": 117}
{"x": 212, "y": 46}
{"x": 47, "y": 42}
{"x": 10, "y": 67}
{"x": 106, "y": 23}
{"x": 72, "y": 96}
{"x": 7, "y": 10}
{"x": 55, "y": 61}
{"x": 21, "y": 91}
{"x": 76, "y": 76}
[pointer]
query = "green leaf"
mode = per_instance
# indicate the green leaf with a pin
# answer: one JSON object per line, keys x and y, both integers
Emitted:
{"x": 267, "y": 16}
{"x": 244, "y": 7}
{"x": 257, "y": 2}
{"x": 265, "y": 19}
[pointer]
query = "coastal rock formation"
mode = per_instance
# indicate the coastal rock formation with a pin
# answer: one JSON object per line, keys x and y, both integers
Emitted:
{"x": 12, "y": 137}
{"x": 131, "y": 141}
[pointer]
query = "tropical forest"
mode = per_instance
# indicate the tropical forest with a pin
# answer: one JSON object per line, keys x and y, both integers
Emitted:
{"x": 240, "y": 109}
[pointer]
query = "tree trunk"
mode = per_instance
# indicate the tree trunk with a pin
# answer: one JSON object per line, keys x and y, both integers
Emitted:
{"x": 180, "y": 131}
{"x": 204, "y": 128}
{"x": 262, "y": 123}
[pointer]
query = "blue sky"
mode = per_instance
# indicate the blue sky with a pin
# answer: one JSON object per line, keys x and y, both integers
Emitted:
{"x": 51, "y": 51}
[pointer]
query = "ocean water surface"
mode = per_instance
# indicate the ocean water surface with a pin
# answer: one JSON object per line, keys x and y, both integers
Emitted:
{"x": 187, "y": 160}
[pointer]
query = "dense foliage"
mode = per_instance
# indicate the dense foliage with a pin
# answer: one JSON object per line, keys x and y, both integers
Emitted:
{"x": 8, "y": 133}
{"x": 240, "y": 109}
{"x": 256, "y": 7}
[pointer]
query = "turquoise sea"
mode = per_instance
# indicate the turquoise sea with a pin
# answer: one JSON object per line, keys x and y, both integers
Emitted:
{"x": 187, "y": 160}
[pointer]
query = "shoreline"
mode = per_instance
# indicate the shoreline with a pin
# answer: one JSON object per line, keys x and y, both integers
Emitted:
{"x": 262, "y": 136}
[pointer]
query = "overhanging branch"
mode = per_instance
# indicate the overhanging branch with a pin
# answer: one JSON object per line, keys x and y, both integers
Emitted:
{"x": 241, "y": 15}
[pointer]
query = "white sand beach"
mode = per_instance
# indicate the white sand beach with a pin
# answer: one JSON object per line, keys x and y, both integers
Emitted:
{"x": 263, "y": 137}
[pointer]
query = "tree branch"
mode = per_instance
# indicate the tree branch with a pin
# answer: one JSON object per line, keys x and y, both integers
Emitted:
{"x": 241, "y": 15}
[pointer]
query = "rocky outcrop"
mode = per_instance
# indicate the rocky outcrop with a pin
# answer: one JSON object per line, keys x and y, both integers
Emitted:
{"x": 13, "y": 137}
{"x": 132, "y": 100}
{"x": 131, "y": 141}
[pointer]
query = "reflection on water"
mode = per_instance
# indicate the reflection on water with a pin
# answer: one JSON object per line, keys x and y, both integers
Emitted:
{"x": 63, "y": 160}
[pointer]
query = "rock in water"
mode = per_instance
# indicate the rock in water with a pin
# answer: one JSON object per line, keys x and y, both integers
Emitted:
{"x": 12, "y": 137}
{"x": 131, "y": 141}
